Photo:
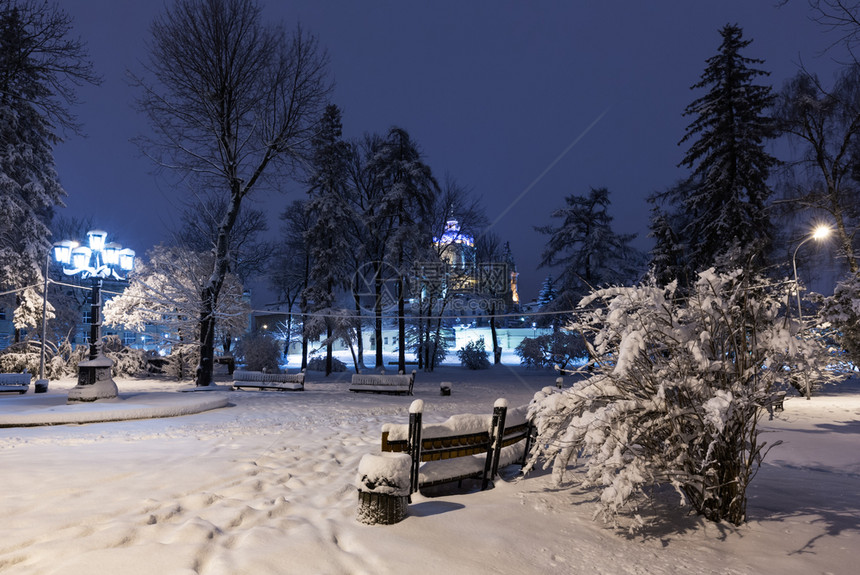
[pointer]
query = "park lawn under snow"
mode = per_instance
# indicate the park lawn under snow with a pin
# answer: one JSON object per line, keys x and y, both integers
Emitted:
{"x": 267, "y": 485}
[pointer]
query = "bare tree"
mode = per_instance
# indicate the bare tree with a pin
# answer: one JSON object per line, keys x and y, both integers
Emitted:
{"x": 232, "y": 103}
{"x": 841, "y": 17}
{"x": 248, "y": 254}
{"x": 827, "y": 122}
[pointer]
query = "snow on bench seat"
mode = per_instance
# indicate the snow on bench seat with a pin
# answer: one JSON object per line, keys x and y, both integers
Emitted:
{"x": 260, "y": 380}
{"x": 383, "y": 383}
{"x": 14, "y": 382}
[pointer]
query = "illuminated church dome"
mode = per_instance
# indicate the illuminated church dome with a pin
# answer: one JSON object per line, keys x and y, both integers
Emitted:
{"x": 456, "y": 248}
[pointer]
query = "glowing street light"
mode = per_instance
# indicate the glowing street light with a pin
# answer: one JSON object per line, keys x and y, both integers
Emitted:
{"x": 98, "y": 261}
{"x": 820, "y": 233}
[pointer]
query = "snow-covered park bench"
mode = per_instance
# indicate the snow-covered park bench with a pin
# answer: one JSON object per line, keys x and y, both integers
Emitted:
{"x": 260, "y": 380}
{"x": 465, "y": 446}
{"x": 383, "y": 383}
{"x": 14, "y": 382}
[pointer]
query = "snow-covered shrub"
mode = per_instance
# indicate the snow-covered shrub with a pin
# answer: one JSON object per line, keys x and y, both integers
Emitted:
{"x": 126, "y": 360}
{"x": 557, "y": 348}
{"x": 18, "y": 362}
{"x": 474, "y": 356}
{"x": 841, "y": 314}
{"x": 318, "y": 364}
{"x": 260, "y": 352}
{"x": 26, "y": 356}
{"x": 677, "y": 393}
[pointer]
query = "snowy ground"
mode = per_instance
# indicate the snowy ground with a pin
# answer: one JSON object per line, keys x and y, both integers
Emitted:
{"x": 266, "y": 485}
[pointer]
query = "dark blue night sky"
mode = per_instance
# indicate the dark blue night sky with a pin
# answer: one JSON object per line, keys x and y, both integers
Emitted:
{"x": 494, "y": 92}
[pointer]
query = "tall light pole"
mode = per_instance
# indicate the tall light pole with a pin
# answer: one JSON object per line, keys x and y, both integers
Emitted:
{"x": 42, "y": 381}
{"x": 819, "y": 233}
{"x": 99, "y": 261}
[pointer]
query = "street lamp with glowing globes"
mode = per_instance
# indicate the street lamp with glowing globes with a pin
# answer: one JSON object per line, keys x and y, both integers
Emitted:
{"x": 99, "y": 260}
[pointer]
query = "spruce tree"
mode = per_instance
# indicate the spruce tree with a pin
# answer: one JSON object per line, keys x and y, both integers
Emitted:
{"x": 328, "y": 210}
{"x": 726, "y": 199}
{"x": 547, "y": 292}
{"x": 586, "y": 248}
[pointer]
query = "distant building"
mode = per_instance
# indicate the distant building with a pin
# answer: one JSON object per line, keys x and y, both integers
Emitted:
{"x": 457, "y": 252}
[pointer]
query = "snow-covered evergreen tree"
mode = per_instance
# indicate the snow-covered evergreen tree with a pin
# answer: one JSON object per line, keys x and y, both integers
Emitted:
{"x": 39, "y": 70}
{"x": 678, "y": 388}
{"x": 407, "y": 191}
{"x": 725, "y": 199}
{"x": 29, "y": 312}
{"x": 588, "y": 251}
{"x": 547, "y": 293}
{"x": 328, "y": 207}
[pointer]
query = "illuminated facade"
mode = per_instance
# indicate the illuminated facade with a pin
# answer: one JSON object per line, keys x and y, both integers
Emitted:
{"x": 457, "y": 252}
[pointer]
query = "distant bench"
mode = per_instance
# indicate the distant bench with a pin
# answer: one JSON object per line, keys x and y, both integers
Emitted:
{"x": 260, "y": 380}
{"x": 383, "y": 383}
{"x": 463, "y": 447}
{"x": 14, "y": 382}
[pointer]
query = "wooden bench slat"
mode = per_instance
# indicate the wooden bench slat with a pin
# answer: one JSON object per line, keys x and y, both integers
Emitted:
{"x": 383, "y": 383}
{"x": 276, "y": 381}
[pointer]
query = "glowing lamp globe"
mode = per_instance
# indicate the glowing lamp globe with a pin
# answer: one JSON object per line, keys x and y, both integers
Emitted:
{"x": 63, "y": 251}
{"x": 97, "y": 239}
{"x": 81, "y": 257}
{"x": 111, "y": 253}
{"x": 126, "y": 259}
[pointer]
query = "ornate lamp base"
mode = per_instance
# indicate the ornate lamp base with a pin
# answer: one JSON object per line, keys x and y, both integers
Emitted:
{"x": 94, "y": 381}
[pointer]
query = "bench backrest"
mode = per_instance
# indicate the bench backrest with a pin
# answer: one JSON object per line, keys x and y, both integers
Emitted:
{"x": 259, "y": 376}
{"x": 382, "y": 379}
{"x": 437, "y": 448}
{"x": 15, "y": 378}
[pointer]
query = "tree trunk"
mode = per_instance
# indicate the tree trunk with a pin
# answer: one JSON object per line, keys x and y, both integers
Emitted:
{"x": 401, "y": 326}
{"x": 329, "y": 347}
{"x": 207, "y": 338}
{"x": 304, "y": 310}
{"x": 377, "y": 309}
{"x": 422, "y": 343}
{"x": 359, "y": 335}
{"x": 497, "y": 358}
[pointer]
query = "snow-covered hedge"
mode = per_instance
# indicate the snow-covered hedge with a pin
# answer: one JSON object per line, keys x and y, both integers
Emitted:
{"x": 679, "y": 386}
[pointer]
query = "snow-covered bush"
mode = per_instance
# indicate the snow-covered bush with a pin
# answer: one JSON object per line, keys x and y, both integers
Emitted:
{"x": 126, "y": 360}
{"x": 677, "y": 393}
{"x": 558, "y": 348}
{"x": 841, "y": 313}
{"x": 26, "y": 356}
{"x": 474, "y": 356}
{"x": 318, "y": 364}
{"x": 260, "y": 352}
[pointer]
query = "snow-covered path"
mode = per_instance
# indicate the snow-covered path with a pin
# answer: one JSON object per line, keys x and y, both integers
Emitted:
{"x": 267, "y": 486}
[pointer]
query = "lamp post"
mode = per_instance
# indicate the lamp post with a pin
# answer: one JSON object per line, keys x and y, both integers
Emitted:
{"x": 99, "y": 261}
{"x": 42, "y": 381}
{"x": 819, "y": 233}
